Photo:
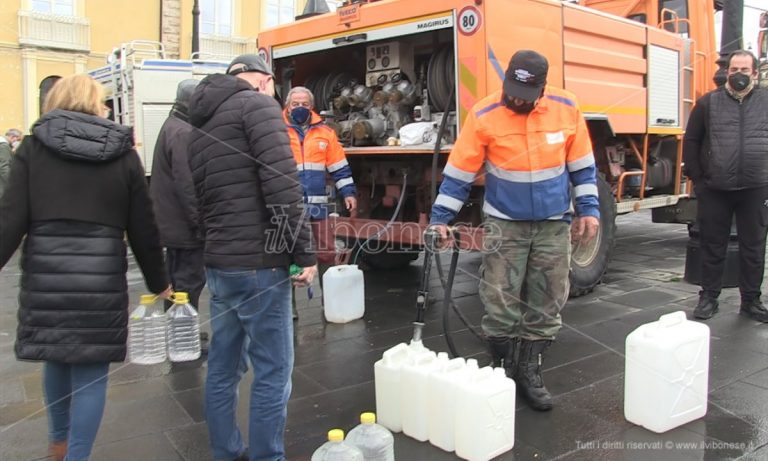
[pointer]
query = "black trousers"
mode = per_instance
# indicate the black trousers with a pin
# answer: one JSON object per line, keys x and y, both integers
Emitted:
{"x": 186, "y": 271}
{"x": 715, "y": 214}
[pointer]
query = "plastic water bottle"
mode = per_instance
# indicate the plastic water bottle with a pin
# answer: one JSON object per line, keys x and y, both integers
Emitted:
{"x": 146, "y": 332}
{"x": 183, "y": 330}
{"x": 374, "y": 440}
{"x": 336, "y": 449}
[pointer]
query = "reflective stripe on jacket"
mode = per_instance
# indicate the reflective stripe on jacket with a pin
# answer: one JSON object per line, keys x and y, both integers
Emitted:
{"x": 529, "y": 161}
{"x": 316, "y": 150}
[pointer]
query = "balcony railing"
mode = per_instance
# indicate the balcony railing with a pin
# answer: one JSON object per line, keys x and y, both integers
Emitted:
{"x": 54, "y": 31}
{"x": 225, "y": 48}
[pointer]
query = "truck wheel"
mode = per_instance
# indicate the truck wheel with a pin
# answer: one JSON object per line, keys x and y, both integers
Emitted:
{"x": 589, "y": 261}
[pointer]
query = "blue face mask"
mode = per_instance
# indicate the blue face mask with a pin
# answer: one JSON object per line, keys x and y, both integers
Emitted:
{"x": 300, "y": 115}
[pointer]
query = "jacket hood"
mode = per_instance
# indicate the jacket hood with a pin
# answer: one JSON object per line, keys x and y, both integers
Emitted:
{"x": 79, "y": 136}
{"x": 212, "y": 92}
{"x": 180, "y": 111}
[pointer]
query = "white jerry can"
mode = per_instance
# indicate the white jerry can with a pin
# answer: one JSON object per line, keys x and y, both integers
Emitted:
{"x": 387, "y": 380}
{"x": 485, "y": 415}
{"x": 666, "y": 373}
{"x": 415, "y": 376}
{"x": 441, "y": 400}
{"x": 343, "y": 293}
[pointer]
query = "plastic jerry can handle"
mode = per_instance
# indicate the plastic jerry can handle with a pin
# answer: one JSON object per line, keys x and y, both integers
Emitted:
{"x": 670, "y": 320}
{"x": 396, "y": 354}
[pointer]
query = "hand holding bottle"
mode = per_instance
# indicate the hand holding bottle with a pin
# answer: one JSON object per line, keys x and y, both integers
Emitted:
{"x": 167, "y": 293}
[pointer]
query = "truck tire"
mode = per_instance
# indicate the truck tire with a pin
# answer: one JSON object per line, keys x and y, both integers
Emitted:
{"x": 589, "y": 261}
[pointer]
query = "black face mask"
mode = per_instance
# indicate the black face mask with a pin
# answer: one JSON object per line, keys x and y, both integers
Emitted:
{"x": 524, "y": 108}
{"x": 739, "y": 81}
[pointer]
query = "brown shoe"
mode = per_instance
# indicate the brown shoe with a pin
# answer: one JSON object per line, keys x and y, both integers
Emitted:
{"x": 58, "y": 450}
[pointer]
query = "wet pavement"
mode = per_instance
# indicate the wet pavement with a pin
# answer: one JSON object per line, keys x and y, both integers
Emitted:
{"x": 155, "y": 412}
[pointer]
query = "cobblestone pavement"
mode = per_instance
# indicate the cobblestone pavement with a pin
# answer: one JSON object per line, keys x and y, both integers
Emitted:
{"x": 155, "y": 412}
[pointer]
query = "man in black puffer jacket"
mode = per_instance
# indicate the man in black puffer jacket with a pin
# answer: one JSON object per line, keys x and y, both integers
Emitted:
{"x": 726, "y": 156}
{"x": 174, "y": 201}
{"x": 250, "y": 203}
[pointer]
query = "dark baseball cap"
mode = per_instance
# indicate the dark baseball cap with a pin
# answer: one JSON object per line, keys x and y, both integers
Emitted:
{"x": 248, "y": 63}
{"x": 526, "y": 75}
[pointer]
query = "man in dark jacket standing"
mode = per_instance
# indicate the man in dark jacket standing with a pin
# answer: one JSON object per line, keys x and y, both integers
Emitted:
{"x": 726, "y": 156}
{"x": 250, "y": 202}
{"x": 174, "y": 201}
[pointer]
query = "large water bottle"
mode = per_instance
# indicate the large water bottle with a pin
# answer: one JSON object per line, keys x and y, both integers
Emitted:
{"x": 146, "y": 332}
{"x": 183, "y": 330}
{"x": 336, "y": 449}
{"x": 374, "y": 440}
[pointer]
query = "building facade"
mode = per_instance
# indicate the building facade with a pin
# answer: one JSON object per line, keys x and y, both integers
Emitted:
{"x": 42, "y": 40}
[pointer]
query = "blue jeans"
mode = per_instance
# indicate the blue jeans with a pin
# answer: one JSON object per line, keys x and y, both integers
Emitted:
{"x": 251, "y": 307}
{"x": 75, "y": 396}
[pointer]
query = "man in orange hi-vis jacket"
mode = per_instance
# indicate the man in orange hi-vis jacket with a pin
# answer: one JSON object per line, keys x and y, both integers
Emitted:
{"x": 316, "y": 150}
{"x": 533, "y": 146}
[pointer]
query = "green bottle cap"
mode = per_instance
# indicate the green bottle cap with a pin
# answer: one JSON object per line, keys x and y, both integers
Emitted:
{"x": 294, "y": 270}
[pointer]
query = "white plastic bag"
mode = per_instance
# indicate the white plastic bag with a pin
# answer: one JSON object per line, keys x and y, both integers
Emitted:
{"x": 417, "y": 133}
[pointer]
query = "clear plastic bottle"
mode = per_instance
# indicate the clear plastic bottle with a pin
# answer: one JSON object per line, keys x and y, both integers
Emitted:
{"x": 183, "y": 330}
{"x": 336, "y": 449}
{"x": 374, "y": 440}
{"x": 146, "y": 332}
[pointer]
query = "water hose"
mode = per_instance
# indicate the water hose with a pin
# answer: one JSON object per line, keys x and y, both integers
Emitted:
{"x": 448, "y": 299}
{"x": 447, "y": 285}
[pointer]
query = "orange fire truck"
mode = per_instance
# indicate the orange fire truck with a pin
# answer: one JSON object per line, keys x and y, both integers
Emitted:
{"x": 389, "y": 74}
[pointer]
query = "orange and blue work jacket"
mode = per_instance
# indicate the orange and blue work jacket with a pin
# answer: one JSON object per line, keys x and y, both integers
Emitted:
{"x": 530, "y": 162}
{"x": 317, "y": 149}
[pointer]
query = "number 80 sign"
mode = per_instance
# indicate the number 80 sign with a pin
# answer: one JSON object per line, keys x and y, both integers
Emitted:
{"x": 469, "y": 20}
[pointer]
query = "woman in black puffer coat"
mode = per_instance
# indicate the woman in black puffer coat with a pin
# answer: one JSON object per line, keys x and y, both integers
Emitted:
{"x": 76, "y": 189}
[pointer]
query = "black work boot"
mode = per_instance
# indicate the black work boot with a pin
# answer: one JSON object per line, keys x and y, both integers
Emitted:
{"x": 528, "y": 378}
{"x": 498, "y": 346}
{"x": 504, "y": 353}
{"x": 706, "y": 308}
{"x": 755, "y": 310}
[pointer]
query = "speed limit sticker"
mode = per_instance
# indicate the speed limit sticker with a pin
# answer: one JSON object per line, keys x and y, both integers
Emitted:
{"x": 469, "y": 20}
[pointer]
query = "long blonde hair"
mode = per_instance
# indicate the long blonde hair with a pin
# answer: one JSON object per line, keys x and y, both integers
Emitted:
{"x": 79, "y": 93}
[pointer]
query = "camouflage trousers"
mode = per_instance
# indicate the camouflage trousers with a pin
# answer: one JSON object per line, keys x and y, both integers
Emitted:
{"x": 524, "y": 277}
